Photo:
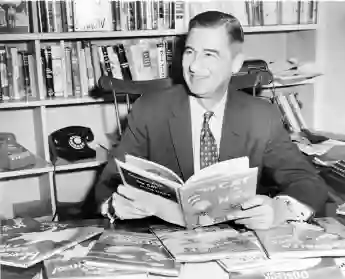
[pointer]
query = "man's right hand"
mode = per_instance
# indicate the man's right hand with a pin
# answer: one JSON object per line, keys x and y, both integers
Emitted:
{"x": 124, "y": 207}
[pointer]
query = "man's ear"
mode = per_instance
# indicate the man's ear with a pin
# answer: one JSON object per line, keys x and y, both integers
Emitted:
{"x": 237, "y": 62}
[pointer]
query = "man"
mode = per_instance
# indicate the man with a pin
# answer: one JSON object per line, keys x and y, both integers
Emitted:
{"x": 171, "y": 127}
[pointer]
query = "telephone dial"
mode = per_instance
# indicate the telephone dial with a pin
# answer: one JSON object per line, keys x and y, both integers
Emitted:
{"x": 14, "y": 156}
{"x": 71, "y": 143}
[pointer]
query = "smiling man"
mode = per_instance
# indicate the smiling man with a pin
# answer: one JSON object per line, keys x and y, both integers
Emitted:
{"x": 204, "y": 121}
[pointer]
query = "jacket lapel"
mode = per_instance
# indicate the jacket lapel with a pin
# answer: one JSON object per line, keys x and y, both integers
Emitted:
{"x": 181, "y": 135}
{"x": 233, "y": 139}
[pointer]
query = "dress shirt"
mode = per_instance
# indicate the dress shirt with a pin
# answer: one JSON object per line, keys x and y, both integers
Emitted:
{"x": 197, "y": 117}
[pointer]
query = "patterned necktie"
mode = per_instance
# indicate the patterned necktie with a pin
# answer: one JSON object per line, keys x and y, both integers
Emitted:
{"x": 208, "y": 145}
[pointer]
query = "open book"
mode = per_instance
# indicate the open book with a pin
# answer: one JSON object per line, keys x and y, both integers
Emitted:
{"x": 208, "y": 197}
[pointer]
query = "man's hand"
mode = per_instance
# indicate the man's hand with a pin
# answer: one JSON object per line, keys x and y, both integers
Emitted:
{"x": 132, "y": 203}
{"x": 258, "y": 213}
{"x": 127, "y": 207}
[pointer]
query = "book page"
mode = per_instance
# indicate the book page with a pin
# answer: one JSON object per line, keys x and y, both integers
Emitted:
{"x": 225, "y": 167}
{"x": 213, "y": 200}
{"x": 153, "y": 167}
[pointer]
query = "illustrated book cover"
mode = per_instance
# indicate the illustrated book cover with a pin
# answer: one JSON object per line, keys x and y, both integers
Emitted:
{"x": 303, "y": 240}
{"x": 207, "y": 198}
{"x": 316, "y": 268}
{"x": 24, "y": 242}
{"x": 70, "y": 264}
{"x": 208, "y": 243}
{"x": 132, "y": 251}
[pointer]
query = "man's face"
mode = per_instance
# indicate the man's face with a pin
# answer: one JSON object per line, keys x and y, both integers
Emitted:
{"x": 207, "y": 61}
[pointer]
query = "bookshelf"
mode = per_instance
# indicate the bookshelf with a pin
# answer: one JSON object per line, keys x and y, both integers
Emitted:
{"x": 34, "y": 118}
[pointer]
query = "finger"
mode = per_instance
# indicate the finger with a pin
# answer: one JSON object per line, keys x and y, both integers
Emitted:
{"x": 126, "y": 209}
{"x": 131, "y": 193}
{"x": 257, "y": 211}
{"x": 124, "y": 192}
{"x": 255, "y": 201}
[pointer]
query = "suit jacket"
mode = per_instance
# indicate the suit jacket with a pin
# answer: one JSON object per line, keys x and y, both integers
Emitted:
{"x": 159, "y": 129}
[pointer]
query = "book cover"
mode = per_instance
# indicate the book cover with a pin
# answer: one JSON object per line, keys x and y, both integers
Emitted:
{"x": 70, "y": 264}
{"x": 36, "y": 242}
{"x": 132, "y": 251}
{"x": 207, "y": 198}
{"x": 93, "y": 16}
{"x": 316, "y": 268}
{"x": 11, "y": 272}
{"x": 301, "y": 240}
{"x": 208, "y": 243}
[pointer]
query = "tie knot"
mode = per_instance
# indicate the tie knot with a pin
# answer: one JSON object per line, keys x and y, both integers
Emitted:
{"x": 208, "y": 115}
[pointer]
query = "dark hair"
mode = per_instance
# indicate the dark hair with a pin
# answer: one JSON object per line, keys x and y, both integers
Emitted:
{"x": 217, "y": 18}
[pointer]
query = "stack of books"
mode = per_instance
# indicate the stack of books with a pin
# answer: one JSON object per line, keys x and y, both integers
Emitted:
{"x": 32, "y": 249}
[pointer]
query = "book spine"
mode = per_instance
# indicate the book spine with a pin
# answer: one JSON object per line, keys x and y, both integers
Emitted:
{"x": 63, "y": 12}
{"x": 82, "y": 68}
{"x": 58, "y": 73}
{"x": 120, "y": 51}
{"x": 42, "y": 18}
{"x": 50, "y": 15}
{"x": 75, "y": 71}
{"x": 68, "y": 67}
{"x": 10, "y": 70}
{"x": 155, "y": 14}
{"x": 162, "y": 69}
{"x": 106, "y": 61}
{"x": 114, "y": 63}
{"x": 70, "y": 15}
{"x": 3, "y": 73}
{"x": 89, "y": 68}
{"x": 15, "y": 73}
{"x": 32, "y": 73}
{"x": 96, "y": 63}
{"x": 49, "y": 72}
{"x": 26, "y": 71}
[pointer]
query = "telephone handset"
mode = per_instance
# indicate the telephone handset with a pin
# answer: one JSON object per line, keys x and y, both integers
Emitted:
{"x": 70, "y": 143}
{"x": 13, "y": 155}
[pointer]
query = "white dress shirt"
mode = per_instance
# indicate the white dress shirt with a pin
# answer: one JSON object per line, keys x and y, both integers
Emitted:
{"x": 197, "y": 118}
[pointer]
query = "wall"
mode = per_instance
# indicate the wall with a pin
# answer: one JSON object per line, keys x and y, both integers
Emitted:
{"x": 330, "y": 91}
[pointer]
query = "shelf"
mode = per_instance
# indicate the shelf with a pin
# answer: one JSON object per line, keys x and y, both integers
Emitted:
{"x": 279, "y": 85}
{"x": 279, "y": 28}
{"x": 101, "y": 158}
{"x": 40, "y": 167}
{"x": 58, "y": 101}
{"x": 140, "y": 33}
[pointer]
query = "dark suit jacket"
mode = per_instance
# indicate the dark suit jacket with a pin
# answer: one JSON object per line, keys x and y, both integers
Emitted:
{"x": 159, "y": 129}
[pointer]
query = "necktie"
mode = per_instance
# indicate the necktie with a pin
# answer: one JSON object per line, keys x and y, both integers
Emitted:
{"x": 208, "y": 145}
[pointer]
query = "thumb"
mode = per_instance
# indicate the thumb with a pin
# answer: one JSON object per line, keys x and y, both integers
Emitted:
{"x": 253, "y": 202}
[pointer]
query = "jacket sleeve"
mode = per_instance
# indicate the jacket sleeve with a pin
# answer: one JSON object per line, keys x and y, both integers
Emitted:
{"x": 133, "y": 141}
{"x": 293, "y": 173}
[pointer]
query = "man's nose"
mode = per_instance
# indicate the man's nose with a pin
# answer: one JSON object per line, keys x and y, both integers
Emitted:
{"x": 195, "y": 64}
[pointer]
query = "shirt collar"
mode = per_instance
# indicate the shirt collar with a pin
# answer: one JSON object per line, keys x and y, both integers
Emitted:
{"x": 218, "y": 109}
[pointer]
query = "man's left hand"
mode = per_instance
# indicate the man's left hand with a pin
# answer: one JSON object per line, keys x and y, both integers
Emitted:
{"x": 258, "y": 213}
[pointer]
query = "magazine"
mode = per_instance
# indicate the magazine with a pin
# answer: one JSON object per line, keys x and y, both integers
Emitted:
{"x": 208, "y": 243}
{"x": 70, "y": 264}
{"x": 208, "y": 197}
{"x": 316, "y": 268}
{"x": 302, "y": 240}
{"x": 141, "y": 252}
{"x": 38, "y": 241}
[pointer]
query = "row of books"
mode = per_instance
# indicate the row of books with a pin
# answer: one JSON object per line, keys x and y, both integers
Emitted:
{"x": 76, "y": 251}
{"x": 291, "y": 111}
{"x": 72, "y": 68}
{"x": 17, "y": 73}
{"x": 93, "y": 15}
{"x": 260, "y": 12}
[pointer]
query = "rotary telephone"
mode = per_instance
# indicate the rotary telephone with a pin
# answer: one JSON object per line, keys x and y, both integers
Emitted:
{"x": 71, "y": 143}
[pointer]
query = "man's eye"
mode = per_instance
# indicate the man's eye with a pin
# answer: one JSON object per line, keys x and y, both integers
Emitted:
{"x": 187, "y": 51}
{"x": 208, "y": 54}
